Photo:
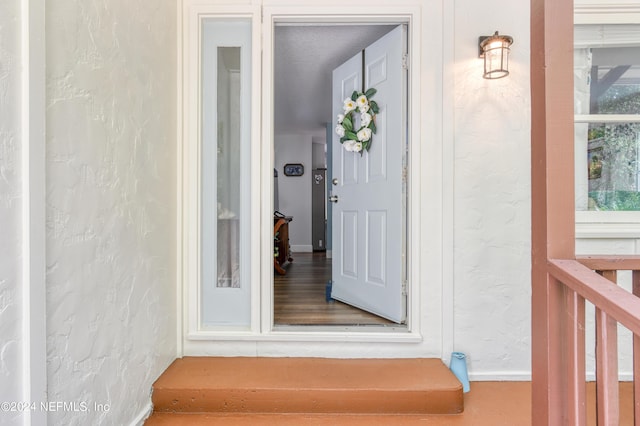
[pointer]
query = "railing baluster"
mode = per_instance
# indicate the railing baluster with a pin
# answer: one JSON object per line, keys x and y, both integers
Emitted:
{"x": 574, "y": 338}
{"x": 607, "y": 405}
{"x": 636, "y": 358}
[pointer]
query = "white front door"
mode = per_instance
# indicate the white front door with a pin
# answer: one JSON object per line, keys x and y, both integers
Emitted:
{"x": 368, "y": 193}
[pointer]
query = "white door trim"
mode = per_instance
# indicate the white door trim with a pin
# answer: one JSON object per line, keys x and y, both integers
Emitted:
{"x": 426, "y": 246}
{"x": 348, "y": 14}
{"x": 33, "y": 96}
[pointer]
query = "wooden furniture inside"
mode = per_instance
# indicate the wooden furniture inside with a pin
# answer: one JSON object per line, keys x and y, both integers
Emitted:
{"x": 282, "y": 250}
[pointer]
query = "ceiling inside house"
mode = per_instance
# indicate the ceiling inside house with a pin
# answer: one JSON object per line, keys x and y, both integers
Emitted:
{"x": 304, "y": 58}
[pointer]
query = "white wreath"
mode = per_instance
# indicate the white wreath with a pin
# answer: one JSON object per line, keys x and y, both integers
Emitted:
{"x": 358, "y": 140}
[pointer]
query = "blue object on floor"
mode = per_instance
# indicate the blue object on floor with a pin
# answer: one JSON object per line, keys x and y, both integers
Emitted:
{"x": 327, "y": 291}
{"x": 458, "y": 366}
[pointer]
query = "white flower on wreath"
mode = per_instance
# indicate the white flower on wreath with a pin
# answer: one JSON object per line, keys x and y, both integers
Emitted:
{"x": 365, "y": 119}
{"x": 357, "y": 146}
{"x": 364, "y": 134}
{"x": 340, "y": 119}
{"x": 340, "y": 130}
{"x": 348, "y": 106}
{"x": 362, "y": 101}
{"x": 349, "y": 145}
{"x": 363, "y": 108}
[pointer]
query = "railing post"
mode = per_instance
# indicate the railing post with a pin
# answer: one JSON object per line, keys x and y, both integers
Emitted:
{"x": 552, "y": 197}
{"x": 636, "y": 357}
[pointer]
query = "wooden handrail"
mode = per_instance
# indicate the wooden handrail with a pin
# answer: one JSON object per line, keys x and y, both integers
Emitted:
{"x": 612, "y": 304}
{"x": 611, "y": 262}
{"x": 617, "y": 302}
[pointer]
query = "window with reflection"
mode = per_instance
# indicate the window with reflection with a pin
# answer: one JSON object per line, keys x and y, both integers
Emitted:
{"x": 607, "y": 107}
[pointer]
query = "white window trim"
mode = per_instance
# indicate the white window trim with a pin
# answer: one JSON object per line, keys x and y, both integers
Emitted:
{"x": 190, "y": 164}
{"x": 607, "y": 118}
{"x": 598, "y": 224}
{"x": 261, "y": 338}
{"x": 596, "y": 12}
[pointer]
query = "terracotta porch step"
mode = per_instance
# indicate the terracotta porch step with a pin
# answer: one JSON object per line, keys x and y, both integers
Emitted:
{"x": 307, "y": 385}
{"x": 213, "y": 419}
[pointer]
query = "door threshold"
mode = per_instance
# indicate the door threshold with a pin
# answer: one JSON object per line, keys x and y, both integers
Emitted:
{"x": 334, "y": 328}
{"x": 204, "y": 343}
{"x": 398, "y": 333}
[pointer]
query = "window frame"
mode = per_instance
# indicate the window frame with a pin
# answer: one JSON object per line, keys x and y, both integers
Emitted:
{"x": 606, "y": 224}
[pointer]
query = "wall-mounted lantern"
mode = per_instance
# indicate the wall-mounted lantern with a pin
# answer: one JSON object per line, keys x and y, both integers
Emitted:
{"x": 495, "y": 51}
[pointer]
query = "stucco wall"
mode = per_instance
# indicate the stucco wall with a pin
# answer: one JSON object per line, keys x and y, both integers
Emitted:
{"x": 492, "y": 195}
{"x": 10, "y": 209}
{"x": 111, "y": 108}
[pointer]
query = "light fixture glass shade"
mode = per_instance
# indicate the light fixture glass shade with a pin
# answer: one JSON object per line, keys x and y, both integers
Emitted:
{"x": 495, "y": 50}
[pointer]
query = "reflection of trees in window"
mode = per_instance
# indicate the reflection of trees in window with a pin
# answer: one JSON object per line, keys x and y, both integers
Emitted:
{"x": 619, "y": 151}
{"x": 619, "y": 99}
{"x": 613, "y": 175}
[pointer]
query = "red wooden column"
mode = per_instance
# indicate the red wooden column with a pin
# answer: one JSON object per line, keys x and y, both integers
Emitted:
{"x": 553, "y": 216}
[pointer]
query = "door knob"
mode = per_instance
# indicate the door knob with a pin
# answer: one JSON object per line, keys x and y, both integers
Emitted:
{"x": 334, "y": 181}
{"x": 333, "y": 198}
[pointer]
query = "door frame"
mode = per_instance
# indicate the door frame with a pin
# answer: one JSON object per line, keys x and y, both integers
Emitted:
{"x": 428, "y": 252}
{"x": 273, "y": 16}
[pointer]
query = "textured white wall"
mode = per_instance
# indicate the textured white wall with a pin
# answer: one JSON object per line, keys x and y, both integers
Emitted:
{"x": 10, "y": 210}
{"x": 294, "y": 192}
{"x": 111, "y": 109}
{"x": 492, "y": 194}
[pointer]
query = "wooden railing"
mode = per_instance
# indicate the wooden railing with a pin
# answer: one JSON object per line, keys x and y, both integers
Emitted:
{"x": 613, "y": 305}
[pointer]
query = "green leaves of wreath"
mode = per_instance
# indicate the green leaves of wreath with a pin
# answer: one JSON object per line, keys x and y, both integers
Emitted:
{"x": 358, "y": 140}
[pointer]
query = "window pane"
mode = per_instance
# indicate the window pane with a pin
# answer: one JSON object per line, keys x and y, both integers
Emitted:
{"x": 607, "y": 174}
{"x": 608, "y": 80}
{"x": 225, "y": 173}
{"x": 228, "y": 176}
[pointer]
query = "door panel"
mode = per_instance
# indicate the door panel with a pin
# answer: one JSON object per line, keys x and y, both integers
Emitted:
{"x": 377, "y": 70}
{"x": 377, "y": 164}
{"x": 348, "y": 166}
{"x": 368, "y": 266}
{"x": 376, "y": 247}
{"x": 349, "y": 248}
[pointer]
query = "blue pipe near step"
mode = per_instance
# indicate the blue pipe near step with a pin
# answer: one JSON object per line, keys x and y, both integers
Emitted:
{"x": 458, "y": 366}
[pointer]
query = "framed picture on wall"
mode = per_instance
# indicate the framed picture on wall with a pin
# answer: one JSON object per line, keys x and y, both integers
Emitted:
{"x": 293, "y": 169}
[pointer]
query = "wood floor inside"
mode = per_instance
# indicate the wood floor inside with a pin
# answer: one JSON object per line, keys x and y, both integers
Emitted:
{"x": 300, "y": 297}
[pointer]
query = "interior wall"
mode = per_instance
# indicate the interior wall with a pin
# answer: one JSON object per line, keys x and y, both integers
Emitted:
{"x": 492, "y": 195}
{"x": 11, "y": 311}
{"x": 294, "y": 192}
{"x": 111, "y": 196}
{"x": 319, "y": 156}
